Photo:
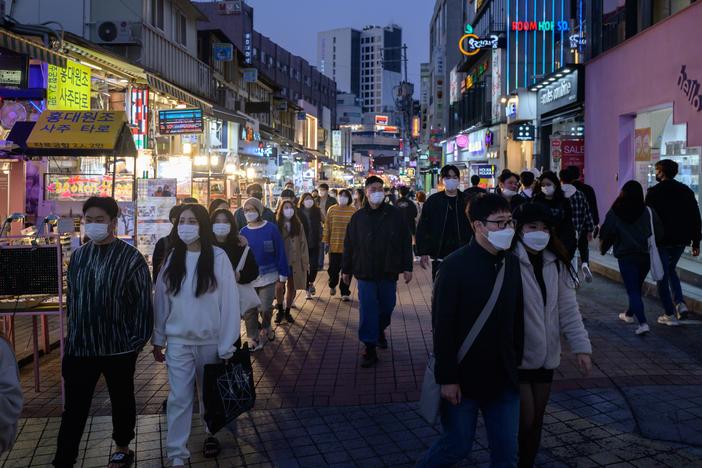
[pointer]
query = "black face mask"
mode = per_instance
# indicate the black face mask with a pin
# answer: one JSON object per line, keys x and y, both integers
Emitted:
{"x": 659, "y": 178}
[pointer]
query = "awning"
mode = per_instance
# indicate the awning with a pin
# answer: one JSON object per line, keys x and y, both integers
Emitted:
{"x": 74, "y": 133}
{"x": 230, "y": 116}
{"x": 106, "y": 60}
{"x": 33, "y": 49}
{"x": 163, "y": 86}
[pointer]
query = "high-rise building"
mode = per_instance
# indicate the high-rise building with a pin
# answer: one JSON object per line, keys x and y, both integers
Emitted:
{"x": 367, "y": 63}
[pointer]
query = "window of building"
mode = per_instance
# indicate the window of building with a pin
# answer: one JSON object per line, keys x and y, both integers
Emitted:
{"x": 181, "y": 29}
{"x": 334, "y": 40}
{"x": 157, "y": 14}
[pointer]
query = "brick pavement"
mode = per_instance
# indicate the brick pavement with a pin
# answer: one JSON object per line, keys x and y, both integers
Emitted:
{"x": 310, "y": 378}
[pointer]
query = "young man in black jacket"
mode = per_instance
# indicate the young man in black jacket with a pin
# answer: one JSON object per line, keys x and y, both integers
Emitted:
{"x": 377, "y": 248}
{"x": 679, "y": 212}
{"x": 443, "y": 226}
{"x": 486, "y": 379}
{"x": 408, "y": 209}
{"x": 474, "y": 190}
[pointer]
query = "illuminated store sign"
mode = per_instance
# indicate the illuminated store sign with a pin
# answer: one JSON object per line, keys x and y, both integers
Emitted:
{"x": 470, "y": 44}
{"x": 545, "y": 26}
{"x": 690, "y": 88}
{"x": 558, "y": 91}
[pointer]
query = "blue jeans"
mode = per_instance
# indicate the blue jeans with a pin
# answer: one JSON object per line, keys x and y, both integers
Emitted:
{"x": 376, "y": 303}
{"x": 634, "y": 270}
{"x": 501, "y": 416}
{"x": 670, "y": 282}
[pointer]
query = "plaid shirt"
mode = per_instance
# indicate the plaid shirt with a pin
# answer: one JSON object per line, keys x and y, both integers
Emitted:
{"x": 582, "y": 217}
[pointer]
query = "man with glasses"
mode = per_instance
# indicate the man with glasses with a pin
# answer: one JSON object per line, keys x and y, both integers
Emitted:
{"x": 377, "y": 248}
{"x": 486, "y": 379}
{"x": 443, "y": 225}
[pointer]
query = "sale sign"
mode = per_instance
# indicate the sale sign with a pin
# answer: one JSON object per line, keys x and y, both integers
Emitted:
{"x": 573, "y": 154}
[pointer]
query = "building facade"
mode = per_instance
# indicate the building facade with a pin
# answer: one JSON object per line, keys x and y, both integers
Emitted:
{"x": 339, "y": 58}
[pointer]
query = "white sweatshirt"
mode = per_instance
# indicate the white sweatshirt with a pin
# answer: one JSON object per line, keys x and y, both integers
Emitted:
{"x": 10, "y": 396}
{"x": 212, "y": 318}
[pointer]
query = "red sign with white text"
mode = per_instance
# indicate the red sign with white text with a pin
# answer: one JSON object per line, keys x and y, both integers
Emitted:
{"x": 573, "y": 154}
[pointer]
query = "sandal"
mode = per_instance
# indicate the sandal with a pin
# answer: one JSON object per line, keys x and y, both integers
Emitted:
{"x": 121, "y": 459}
{"x": 211, "y": 447}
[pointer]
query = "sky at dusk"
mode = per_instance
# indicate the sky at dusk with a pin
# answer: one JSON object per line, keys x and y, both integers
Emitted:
{"x": 294, "y": 24}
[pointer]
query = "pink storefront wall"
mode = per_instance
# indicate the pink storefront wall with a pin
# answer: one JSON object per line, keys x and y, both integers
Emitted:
{"x": 638, "y": 76}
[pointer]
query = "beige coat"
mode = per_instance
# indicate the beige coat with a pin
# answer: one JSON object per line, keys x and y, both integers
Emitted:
{"x": 298, "y": 257}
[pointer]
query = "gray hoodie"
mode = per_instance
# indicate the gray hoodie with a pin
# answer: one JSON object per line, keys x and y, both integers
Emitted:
{"x": 10, "y": 396}
{"x": 543, "y": 325}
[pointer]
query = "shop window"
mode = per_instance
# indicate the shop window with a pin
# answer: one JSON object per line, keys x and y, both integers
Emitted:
{"x": 157, "y": 14}
{"x": 665, "y": 8}
{"x": 181, "y": 29}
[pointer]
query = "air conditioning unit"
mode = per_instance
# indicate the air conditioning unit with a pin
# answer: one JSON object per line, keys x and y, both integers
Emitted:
{"x": 115, "y": 32}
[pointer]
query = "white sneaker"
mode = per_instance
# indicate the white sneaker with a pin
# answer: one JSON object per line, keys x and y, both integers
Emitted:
{"x": 332, "y": 291}
{"x": 643, "y": 329}
{"x": 587, "y": 272}
{"x": 669, "y": 320}
{"x": 626, "y": 318}
{"x": 345, "y": 298}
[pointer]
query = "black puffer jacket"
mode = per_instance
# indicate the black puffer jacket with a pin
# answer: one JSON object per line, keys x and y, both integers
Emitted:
{"x": 677, "y": 207}
{"x": 378, "y": 245}
{"x": 435, "y": 213}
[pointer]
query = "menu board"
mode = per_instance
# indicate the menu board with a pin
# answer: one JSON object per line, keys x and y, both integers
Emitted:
{"x": 176, "y": 121}
{"x": 155, "y": 200}
{"x": 80, "y": 187}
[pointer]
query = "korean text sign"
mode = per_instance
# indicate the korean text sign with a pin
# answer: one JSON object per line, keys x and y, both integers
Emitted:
{"x": 77, "y": 130}
{"x": 68, "y": 88}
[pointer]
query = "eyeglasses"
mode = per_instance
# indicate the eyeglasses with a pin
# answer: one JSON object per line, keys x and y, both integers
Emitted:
{"x": 500, "y": 224}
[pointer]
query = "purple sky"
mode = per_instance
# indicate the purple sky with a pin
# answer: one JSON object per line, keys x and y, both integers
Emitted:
{"x": 294, "y": 23}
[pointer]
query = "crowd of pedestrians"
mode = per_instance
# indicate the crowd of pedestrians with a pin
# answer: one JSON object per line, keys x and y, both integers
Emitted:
{"x": 506, "y": 267}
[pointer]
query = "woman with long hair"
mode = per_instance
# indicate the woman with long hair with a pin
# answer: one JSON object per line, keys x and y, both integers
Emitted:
{"x": 273, "y": 268}
{"x": 297, "y": 253}
{"x": 218, "y": 204}
{"x": 359, "y": 198}
{"x": 338, "y": 218}
{"x": 197, "y": 315}
{"x": 165, "y": 244}
{"x": 227, "y": 238}
{"x": 508, "y": 187}
{"x": 311, "y": 217}
{"x": 550, "y": 310}
{"x": 627, "y": 228}
{"x": 551, "y": 195}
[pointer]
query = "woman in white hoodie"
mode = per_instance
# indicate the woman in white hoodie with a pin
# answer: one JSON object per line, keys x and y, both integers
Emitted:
{"x": 550, "y": 309}
{"x": 197, "y": 315}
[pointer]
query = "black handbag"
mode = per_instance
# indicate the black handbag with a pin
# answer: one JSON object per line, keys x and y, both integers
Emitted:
{"x": 228, "y": 390}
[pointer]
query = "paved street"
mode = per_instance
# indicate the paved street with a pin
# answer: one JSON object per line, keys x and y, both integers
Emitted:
{"x": 642, "y": 406}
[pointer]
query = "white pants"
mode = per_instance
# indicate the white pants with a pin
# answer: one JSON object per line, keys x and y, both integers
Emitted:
{"x": 186, "y": 366}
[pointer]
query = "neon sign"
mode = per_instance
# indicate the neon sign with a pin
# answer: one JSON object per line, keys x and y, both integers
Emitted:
{"x": 470, "y": 44}
{"x": 558, "y": 26}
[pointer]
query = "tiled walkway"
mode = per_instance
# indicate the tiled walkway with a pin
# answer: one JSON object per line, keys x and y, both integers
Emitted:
{"x": 641, "y": 406}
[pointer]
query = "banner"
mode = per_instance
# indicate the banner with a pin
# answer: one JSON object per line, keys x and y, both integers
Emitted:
{"x": 573, "y": 152}
{"x": 68, "y": 88}
{"x": 156, "y": 197}
{"x": 80, "y": 187}
{"x": 77, "y": 129}
{"x": 643, "y": 144}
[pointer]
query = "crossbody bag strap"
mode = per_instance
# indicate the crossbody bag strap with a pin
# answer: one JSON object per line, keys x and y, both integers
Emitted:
{"x": 650, "y": 217}
{"x": 242, "y": 260}
{"x": 484, "y": 315}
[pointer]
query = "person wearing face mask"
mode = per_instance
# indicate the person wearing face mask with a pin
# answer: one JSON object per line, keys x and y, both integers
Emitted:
{"x": 312, "y": 222}
{"x": 582, "y": 219}
{"x": 218, "y": 204}
{"x": 163, "y": 245}
{"x": 443, "y": 226}
{"x": 552, "y": 197}
{"x": 528, "y": 178}
{"x": 273, "y": 270}
{"x": 110, "y": 319}
{"x": 287, "y": 195}
{"x": 486, "y": 379}
{"x": 227, "y": 238}
{"x": 408, "y": 209}
{"x": 297, "y": 253}
{"x": 377, "y": 249}
{"x": 325, "y": 201}
{"x": 508, "y": 187}
{"x": 359, "y": 198}
{"x": 197, "y": 277}
{"x": 550, "y": 310}
{"x": 338, "y": 219}
{"x": 254, "y": 191}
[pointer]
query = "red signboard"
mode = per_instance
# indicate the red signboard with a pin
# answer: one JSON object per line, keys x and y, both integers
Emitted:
{"x": 573, "y": 154}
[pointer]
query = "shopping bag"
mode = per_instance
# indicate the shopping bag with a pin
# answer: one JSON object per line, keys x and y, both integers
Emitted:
{"x": 248, "y": 299}
{"x": 430, "y": 398}
{"x": 228, "y": 390}
{"x": 657, "y": 270}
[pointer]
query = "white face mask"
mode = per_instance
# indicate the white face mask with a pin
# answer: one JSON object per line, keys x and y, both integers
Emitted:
{"x": 188, "y": 233}
{"x": 251, "y": 216}
{"x": 376, "y": 198}
{"x": 221, "y": 229}
{"x": 536, "y": 240}
{"x": 501, "y": 240}
{"x": 507, "y": 193}
{"x": 97, "y": 232}
{"x": 309, "y": 203}
{"x": 451, "y": 184}
{"x": 548, "y": 190}
{"x": 288, "y": 213}
{"x": 343, "y": 201}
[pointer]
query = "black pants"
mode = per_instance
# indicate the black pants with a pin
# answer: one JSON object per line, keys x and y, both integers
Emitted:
{"x": 584, "y": 247}
{"x": 435, "y": 264}
{"x": 81, "y": 374}
{"x": 314, "y": 265}
{"x": 334, "y": 277}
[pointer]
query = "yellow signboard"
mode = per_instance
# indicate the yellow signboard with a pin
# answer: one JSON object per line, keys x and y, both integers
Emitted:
{"x": 77, "y": 129}
{"x": 68, "y": 88}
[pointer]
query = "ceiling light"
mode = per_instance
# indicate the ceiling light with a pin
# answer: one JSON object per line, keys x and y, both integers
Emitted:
{"x": 534, "y": 88}
{"x": 551, "y": 79}
{"x": 558, "y": 75}
{"x": 566, "y": 70}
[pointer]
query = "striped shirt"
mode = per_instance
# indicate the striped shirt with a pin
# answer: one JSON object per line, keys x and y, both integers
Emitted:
{"x": 338, "y": 218}
{"x": 109, "y": 300}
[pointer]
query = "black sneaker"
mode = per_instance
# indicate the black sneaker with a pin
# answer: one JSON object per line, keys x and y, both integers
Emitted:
{"x": 382, "y": 341}
{"x": 288, "y": 316}
{"x": 279, "y": 316}
{"x": 369, "y": 358}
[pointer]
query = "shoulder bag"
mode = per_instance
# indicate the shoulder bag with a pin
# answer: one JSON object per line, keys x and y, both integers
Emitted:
{"x": 430, "y": 399}
{"x": 248, "y": 299}
{"x": 657, "y": 270}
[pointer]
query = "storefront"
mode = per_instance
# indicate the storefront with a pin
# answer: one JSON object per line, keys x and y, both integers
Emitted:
{"x": 473, "y": 153}
{"x": 520, "y": 110}
{"x": 631, "y": 123}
